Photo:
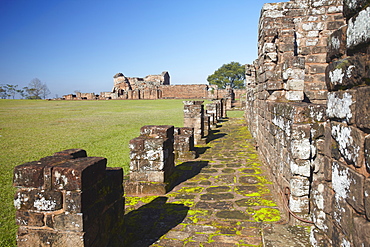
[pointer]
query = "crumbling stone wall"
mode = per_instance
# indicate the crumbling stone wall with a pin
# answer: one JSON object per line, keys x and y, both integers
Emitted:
{"x": 341, "y": 185}
{"x": 152, "y": 160}
{"x": 286, "y": 91}
{"x": 66, "y": 199}
{"x": 310, "y": 119}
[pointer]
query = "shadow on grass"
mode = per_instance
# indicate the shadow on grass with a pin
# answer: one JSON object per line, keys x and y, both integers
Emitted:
{"x": 145, "y": 225}
{"x": 184, "y": 172}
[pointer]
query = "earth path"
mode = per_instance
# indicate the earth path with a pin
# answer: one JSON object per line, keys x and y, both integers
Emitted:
{"x": 222, "y": 198}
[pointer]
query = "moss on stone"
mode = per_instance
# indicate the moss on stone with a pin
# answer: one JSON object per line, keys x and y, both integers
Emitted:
{"x": 267, "y": 214}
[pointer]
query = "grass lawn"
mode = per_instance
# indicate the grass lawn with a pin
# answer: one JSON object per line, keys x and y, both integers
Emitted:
{"x": 30, "y": 130}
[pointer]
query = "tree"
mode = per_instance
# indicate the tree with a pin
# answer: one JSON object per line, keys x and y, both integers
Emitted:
{"x": 11, "y": 90}
{"x": 3, "y": 93}
{"x": 36, "y": 89}
{"x": 231, "y": 74}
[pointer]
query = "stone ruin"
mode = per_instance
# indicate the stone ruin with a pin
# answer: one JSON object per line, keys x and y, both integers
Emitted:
{"x": 154, "y": 152}
{"x": 154, "y": 87}
{"x": 68, "y": 199}
{"x": 308, "y": 109}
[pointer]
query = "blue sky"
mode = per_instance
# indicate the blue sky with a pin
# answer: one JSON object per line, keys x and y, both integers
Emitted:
{"x": 81, "y": 44}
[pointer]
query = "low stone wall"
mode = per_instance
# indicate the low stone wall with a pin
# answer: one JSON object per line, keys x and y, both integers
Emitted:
{"x": 197, "y": 91}
{"x": 66, "y": 199}
{"x": 152, "y": 160}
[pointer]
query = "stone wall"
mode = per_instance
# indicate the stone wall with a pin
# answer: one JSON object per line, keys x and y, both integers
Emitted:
{"x": 152, "y": 160}
{"x": 341, "y": 186}
{"x": 66, "y": 199}
{"x": 310, "y": 119}
{"x": 191, "y": 91}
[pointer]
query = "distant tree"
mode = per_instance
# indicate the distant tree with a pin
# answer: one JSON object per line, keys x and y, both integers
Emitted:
{"x": 22, "y": 92}
{"x": 3, "y": 93}
{"x": 231, "y": 74}
{"x": 36, "y": 89}
{"x": 11, "y": 90}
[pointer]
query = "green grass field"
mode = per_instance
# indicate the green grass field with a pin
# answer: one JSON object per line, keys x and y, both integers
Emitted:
{"x": 30, "y": 130}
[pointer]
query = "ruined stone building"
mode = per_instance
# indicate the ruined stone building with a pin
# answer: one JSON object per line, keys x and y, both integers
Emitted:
{"x": 308, "y": 109}
{"x": 158, "y": 87}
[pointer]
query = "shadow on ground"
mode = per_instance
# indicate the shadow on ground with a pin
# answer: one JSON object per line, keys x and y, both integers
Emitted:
{"x": 214, "y": 135}
{"x": 185, "y": 171}
{"x": 145, "y": 225}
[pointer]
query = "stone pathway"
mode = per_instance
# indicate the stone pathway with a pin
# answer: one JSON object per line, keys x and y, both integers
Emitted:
{"x": 223, "y": 198}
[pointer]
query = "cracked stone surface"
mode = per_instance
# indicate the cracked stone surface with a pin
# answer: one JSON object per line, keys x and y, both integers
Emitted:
{"x": 222, "y": 198}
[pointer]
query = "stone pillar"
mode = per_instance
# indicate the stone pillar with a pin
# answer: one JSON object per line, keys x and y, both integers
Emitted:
{"x": 206, "y": 124}
{"x": 228, "y": 102}
{"x": 218, "y": 110}
{"x": 184, "y": 143}
{"x": 152, "y": 160}
{"x": 68, "y": 199}
{"x": 193, "y": 118}
{"x": 212, "y": 111}
{"x": 223, "y": 108}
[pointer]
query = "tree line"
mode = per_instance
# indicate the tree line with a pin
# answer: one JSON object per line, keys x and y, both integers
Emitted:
{"x": 35, "y": 90}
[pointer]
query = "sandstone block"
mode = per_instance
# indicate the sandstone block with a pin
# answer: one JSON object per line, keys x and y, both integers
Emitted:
{"x": 337, "y": 44}
{"x": 69, "y": 222}
{"x": 28, "y": 218}
{"x": 78, "y": 174}
{"x": 352, "y": 7}
{"x": 27, "y": 237}
{"x": 358, "y": 31}
{"x": 29, "y": 175}
{"x": 342, "y": 105}
{"x": 348, "y": 185}
{"x": 367, "y": 152}
{"x": 363, "y": 107}
{"x": 342, "y": 215}
{"x": 40, "y": 200}
{"x": 361, "y": 236}
{"x": 72, "y": 153}
{"x": 157, "y": 131}
{"x": 345, "y": 73}
{"x": 299, "y": 186}
{"x": 350, "y": 142}
{"x": 299, "y": 204}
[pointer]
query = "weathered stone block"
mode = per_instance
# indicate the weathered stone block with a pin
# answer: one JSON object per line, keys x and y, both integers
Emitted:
{"x": 299, "y": 186}
{"x": 29, "y": 175}
{"x": 69, "y": 222}
{"x": 342, "y": 215}
{"x": 145, "y": 188}
{"x": 299, "y": 204}
{"x": 358, "y": 31}
{"x": 28, "y": 237}
{"x": 40, "y": 200}
{"x": 337, "y": 44}
{"x": 350, "y": 143}
{"x": 28, "y": 218}
{"x": 363, "y": 107}
{"x": 352, "y": 7}
{"x": 342, "y": 105}
{"x": 367, "y": 152}
{"x": 367, "y": 198}
{"x": 78, "y": 174}
{"x": 157, "y": 131}
{"x": 346, "y": 73}
{"x": 361, "y": 236}
{"x": 348, "y": 185}
{"x": 72, "y": 153}
{"x": 148, "y": 176}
